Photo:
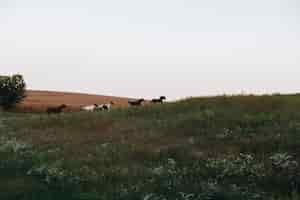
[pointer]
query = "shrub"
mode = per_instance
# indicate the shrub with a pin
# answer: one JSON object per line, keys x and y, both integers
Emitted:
{"x": 284, "y": 161}
{"x": 12, "y": 90}
{"x": 242, "y": 166}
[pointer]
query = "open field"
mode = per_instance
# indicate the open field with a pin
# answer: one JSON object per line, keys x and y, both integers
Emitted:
{"x": 218, "y": 148}
{"x": 38, "y": 101}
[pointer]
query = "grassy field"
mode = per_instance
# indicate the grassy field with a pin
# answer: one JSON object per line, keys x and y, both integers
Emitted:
{"x": 218, "y": 148}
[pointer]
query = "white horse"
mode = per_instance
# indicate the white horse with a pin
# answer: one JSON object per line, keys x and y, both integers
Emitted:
{"x": 106, "y": 106}
{"x": 89, "y": 108}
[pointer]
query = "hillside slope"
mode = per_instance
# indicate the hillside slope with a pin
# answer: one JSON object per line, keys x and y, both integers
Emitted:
{"x": 38, "y": 101}
{"x": 220, "y": 148}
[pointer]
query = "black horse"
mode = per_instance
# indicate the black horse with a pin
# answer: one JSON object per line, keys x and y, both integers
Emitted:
{"x": 160, "y": 100}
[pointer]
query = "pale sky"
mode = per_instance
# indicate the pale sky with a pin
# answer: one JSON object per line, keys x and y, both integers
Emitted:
{"x": 147, "y": 48}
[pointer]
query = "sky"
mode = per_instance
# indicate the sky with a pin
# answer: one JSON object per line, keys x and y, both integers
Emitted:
{"x": 143, "y": 48}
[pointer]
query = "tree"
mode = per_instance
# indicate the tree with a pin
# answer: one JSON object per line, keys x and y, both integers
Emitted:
{"x": 12, "y": 90}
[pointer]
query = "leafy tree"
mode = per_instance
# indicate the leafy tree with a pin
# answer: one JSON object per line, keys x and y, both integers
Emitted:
{"x": 12, "y": 90}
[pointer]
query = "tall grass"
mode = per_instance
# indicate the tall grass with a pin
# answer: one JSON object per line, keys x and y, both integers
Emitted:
{"x": 239, "y": 147}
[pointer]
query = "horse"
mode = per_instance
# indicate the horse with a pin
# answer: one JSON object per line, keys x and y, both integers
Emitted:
{"x": 160, "y": 100}
{"x": 106, "y": 106}
{"x": 56, "y": 110}
{"x": 90, "y": 108}
{"x": 136, "y": 102}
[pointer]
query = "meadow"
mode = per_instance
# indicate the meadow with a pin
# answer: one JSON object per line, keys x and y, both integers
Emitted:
{"x": 214, "y": 148}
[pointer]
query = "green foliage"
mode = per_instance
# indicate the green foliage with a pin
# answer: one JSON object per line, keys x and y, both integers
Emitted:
{"x": 244, "y": 166}
{"x": 12, "y": 90}
{"x": 221, "y": 148}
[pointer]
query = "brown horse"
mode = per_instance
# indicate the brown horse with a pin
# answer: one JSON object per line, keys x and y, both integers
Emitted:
{"x": 56, "y": 110}
{"x": 136, "y": 102}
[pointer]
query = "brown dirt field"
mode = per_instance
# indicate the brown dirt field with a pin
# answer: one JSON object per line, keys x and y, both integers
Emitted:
{"x": 38, "y": 101}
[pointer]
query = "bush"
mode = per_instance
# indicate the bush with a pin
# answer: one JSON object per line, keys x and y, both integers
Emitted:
{"x": 12, "y": 90}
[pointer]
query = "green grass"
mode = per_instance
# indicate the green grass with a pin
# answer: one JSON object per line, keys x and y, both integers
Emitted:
{"x": 200, "y": 148}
